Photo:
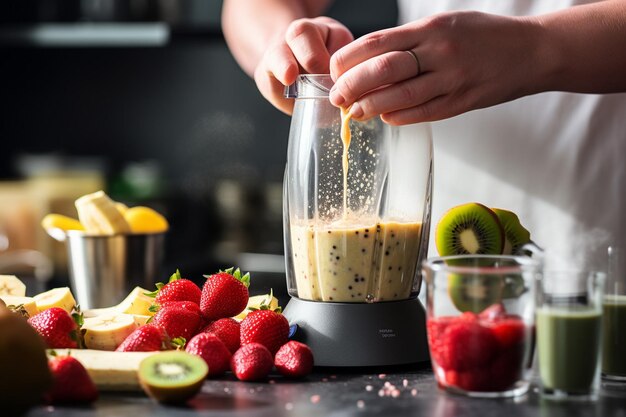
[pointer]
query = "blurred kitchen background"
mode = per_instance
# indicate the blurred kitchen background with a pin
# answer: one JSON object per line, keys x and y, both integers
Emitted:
{"x": 142, "y": 98}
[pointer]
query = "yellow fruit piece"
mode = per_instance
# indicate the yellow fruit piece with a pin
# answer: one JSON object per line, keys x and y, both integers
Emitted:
{"x": 12, "y": 285}
{"x": 56, "y": 297}
{"x": 59, "y": 221}
{"x": 121, "y": 207}
{"x": 27, "y": 303}
{"x": 108, "y": 331}
{"x": 145, "y": 220}
{"x": 255, "y": 302}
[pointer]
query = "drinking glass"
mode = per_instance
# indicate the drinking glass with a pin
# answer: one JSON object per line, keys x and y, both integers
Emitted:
{"x": 480, "y": 313}
{"x": 614, "y": 318}
{"x": 569, "y": 324}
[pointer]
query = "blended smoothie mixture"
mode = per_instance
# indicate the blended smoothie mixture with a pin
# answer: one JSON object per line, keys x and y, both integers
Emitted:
{"x": 568, "y": 343}
{"x": 355, "y": 263}
{"x": 614, "y": 336}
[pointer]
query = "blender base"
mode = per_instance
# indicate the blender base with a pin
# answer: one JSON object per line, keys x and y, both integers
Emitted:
{"x": 351, "y": 334}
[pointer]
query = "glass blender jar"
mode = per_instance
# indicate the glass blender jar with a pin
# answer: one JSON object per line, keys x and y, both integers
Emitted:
{"x": 357, "y": 202}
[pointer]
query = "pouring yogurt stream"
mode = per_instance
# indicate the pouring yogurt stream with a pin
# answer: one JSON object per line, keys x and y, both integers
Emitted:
{"x": 354, "y": 260}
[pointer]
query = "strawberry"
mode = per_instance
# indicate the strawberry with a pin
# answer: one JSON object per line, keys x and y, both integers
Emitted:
{"x": 57, "y": 327}
{"x": 177, "y": 289}
{"x": 186, "y": 305}
{"x": 72, "y": 383}
{"x": 466, "y": 345}
{"x": 228, "y": 330}
{"x": 251, "y": 362}
{"x": 294, "y": 359}
{"x": 435, "y": 329}
{"x": 177, "y": 322}
{"x": 509, "y": 332}
{"x": 146, "y": 338}
{"x": 267, "y": 327}
{"x": 224, "y": 294}
{"x": 210, "y": 348}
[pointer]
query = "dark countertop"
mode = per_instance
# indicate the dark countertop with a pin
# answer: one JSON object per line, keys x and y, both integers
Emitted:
{"x": 339, "y": 393}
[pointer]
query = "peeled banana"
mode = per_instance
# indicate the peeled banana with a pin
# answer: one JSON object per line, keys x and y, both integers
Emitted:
{"x": 136, "y": 302}
{"x": 110, "y": 371}
{"x": 11, "y": 285}
{"x": 26, "y": 304}
{"x": 99, "y": 215}
{"x": 107, "y": 332}
{"x": 57, "y": 297}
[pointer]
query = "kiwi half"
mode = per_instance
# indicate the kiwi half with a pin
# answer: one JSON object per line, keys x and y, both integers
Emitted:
{"x": 474, "y": 292}
{"x": 470, "y": 228}
{"x": 515, "y": 235}
{"x": 172, "y": 376}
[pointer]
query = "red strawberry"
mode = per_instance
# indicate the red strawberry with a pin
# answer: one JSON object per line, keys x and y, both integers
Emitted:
{"x": 267, "y": 327}
{"x": 466, "y": 345}
{"x": 228, "y": 330}
{"x": 72, "y": 383}
{"x": 176, "y": 289}
{"x": 186, "y": 305}
{"x": 435, "y": 329}
{"x": 177, "y": 322}
{"x": 294, "y": 359}
{"x": 509, "y": 332}
{"x": 57, "y": 327}
{"x": 210, "y": 348}
{"x": 224, "y": 294}
{"x": 146, "y": 338}
{"x": 251, "y": 362}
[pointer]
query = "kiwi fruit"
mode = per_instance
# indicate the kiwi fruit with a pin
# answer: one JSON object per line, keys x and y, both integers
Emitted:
{"x": 172, "y": 377}
{"x": 474, "y": 292}
{"x": 515, "y": 235}
{"x": 470, "y": 228}
{"x": 23, "y": 365}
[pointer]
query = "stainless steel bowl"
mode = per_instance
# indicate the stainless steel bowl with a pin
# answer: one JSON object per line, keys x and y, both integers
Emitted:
{"x": 103, "y": 269}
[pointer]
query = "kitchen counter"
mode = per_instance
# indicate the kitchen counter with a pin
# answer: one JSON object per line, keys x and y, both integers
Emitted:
{"x": 338, "y": 393}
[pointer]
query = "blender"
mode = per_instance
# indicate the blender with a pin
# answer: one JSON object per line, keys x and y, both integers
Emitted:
{"x": 357, "y": 204}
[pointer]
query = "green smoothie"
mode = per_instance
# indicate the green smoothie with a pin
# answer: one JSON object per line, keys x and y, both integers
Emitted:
{"x": 568, "y": 342}
{"x": 614, "y": 335}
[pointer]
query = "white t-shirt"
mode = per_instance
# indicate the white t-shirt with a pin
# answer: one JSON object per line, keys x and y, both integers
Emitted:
{"x": 556, "y": 159}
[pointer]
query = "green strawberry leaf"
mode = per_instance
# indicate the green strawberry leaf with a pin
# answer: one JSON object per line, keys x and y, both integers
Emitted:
{"x": 179, "y": 343}
{"x": 175, "y": 276}
{"x": 154, "y": 308}
{"x": 154, "y": 293}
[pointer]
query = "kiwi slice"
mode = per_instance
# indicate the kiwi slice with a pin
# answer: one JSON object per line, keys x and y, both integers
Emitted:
{"x": 470, "y": 228}
{"x": 474, "y": 292}
{"x": 515, "y": 235}
{"x": 172, "y": 376}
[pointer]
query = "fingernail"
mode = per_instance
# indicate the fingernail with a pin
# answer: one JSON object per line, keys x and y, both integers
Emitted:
{"x": 356, "y": 111}
{"x": 336, "y": 98}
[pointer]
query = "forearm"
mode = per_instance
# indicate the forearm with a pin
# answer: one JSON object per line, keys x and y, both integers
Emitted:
{"x": 250, "y": 25}
{"x": 585, "y": 48}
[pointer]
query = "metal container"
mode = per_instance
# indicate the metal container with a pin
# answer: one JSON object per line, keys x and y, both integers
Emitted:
{"x": 104, "y": 269}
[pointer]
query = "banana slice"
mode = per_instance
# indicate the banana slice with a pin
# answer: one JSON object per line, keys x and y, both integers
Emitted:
{"x": 108, "y": 331}
{"x": 11, "y": 285}
{"x": 56, "y": 297}
{"x": 255, "y": 302}
{"x": 27, "y": 303}
{"x": 121, "y": 207}
{"x": 136, "y": 302}
{"x": 99, "y": 215}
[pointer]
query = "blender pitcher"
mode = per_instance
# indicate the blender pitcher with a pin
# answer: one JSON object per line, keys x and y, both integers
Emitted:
{"x": 357, "y": 198}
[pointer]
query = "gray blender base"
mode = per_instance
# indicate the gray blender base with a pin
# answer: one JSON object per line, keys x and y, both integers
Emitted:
{"x": 347, "y": 334}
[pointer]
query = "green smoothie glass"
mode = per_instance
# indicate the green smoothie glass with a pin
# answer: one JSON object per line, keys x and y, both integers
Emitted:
{"x": 569, "y": 327}
{"x": 614, "y": 319}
